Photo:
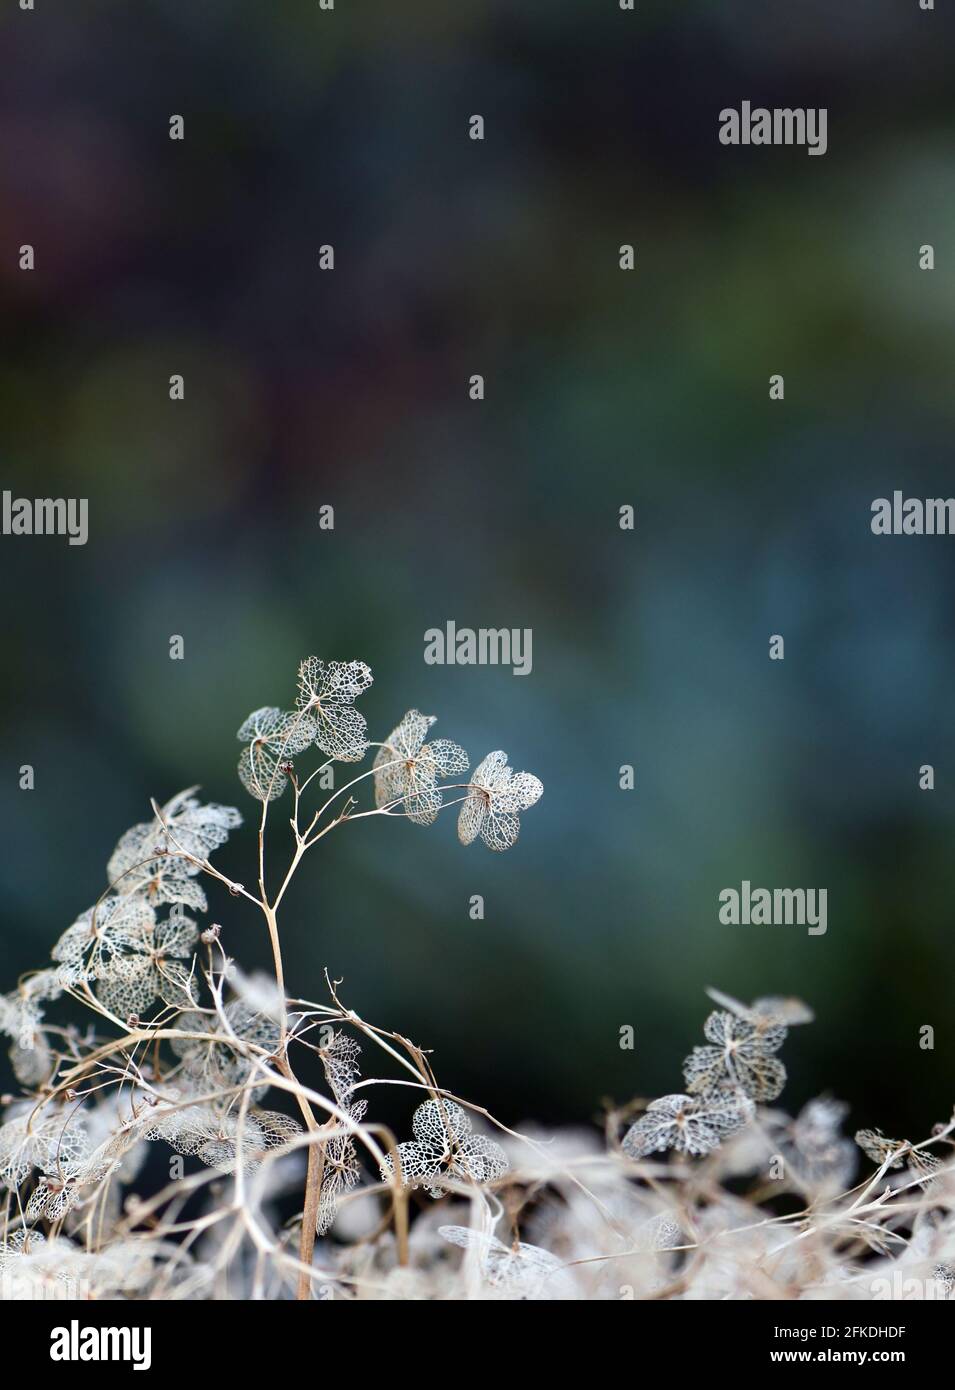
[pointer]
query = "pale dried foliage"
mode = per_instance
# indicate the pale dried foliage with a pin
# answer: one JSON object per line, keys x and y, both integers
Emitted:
{"x": 142, "y": 1038}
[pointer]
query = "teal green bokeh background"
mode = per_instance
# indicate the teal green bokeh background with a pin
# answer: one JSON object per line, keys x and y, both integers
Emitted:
{"x": 603, "y": 388}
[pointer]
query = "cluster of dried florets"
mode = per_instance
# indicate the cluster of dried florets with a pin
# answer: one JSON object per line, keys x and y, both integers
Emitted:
{"x": 724, "y": 1080}
{"x": 407, "y": 770}
{"x": 169, "y": 1059}
{"x": 443, "y": 1149}
{"x": 184, "y": 1053}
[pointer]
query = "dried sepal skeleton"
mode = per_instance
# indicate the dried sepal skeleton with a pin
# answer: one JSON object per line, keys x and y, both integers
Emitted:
{"x": 445, "y": 1149}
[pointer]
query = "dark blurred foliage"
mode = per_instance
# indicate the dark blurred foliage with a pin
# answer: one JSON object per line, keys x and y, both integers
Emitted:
{"x": 305, "y": 127}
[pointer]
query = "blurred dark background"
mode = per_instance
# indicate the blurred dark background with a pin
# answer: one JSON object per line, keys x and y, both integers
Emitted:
{"x": 349, "y": 388}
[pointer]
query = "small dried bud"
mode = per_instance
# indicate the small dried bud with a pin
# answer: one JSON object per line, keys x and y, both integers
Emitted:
{"x": 211, "y": 933}
{"x": 132, "y": 1020}
{"x": 235, "y": 889}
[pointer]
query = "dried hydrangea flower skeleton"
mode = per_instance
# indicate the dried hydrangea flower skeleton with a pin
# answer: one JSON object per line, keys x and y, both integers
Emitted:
{"x": 137, "y": 959}
{"x": 893, "y": 1153}
{"x": 159, "y": 859}
{"x": 327, "y": 692}
{"x": 724, "y": 1080}
{"x": 341, "y": 1170}
{"x": 693, "y": 1125}
{"x": 445, "y": 1150}
{"x": 171, "y": 1058}
{"x": 496, "y": 797}
{"x": 272, "y": 737}
{"x": 407, "y": 768}
{"x": 739, "y": 1058}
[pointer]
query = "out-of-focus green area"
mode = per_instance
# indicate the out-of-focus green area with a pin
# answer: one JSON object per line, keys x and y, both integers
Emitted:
{"x": 349, "y": 388}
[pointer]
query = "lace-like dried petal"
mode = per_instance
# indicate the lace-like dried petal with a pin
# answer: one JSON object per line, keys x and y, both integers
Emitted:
{"x": 738, "y": 1034}
{"x": 32, "y": 1065}
{"x": 216, "y": 1137}
{"x": 422, "y": 803}
{"x": 260, "y": 773}
{"x": 342, "y": 733}
{"x": 103, "y": 933}
{"x": 213, "y": 1066}
{"x": 440, "y": 1122}
{"x": 150, "y": 966}
{"x": 477, "y": 1158}
{"x": 774, "y": 1009}
{"x": 741, "y": 1058}
{"x": 337, "y": 681}
{"x": 471, "y": 819}
{"x": 110, "y": 1156}
{"x": 286, "y": 732}
{"x": 341, "y": 1171}
{"x": 150, "y": 858}
{"x": 924, "y": 1165}
{"x": 52, "y": 1198}
{"x": 519, "y": 1271}
{"x": 446, "y": 758}
{"x": 407, "y": 769}
{"x": 407, "y": 738}
{"x": 176, "y": 985}
{"x": 183, "y": 1126}
{"x": 262, "y": 1131}
{"x": 444, "y": 1148}
{"x": 53, "y": 1143}
{"x": 18, "y": 1244}
{"x": 876, "y": 1146}
{"x": 31, "y": 1056}
{"x": 273, "y": 736}
{"x": 197, "y": 828}
{"x": 176, "y": 937}
{"x": 418, "y": 1164}
{"x": 326, "y": 690}
{"x": 688, "y": 1124}
{"x": 491, "y": 807}
{"x": 41, "y": 986}
{"x": 819, "y": 1122}
{"x": 339, "y": 1059}
{"x": 130, "y": 986}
